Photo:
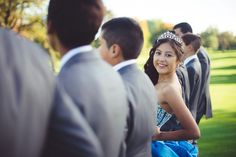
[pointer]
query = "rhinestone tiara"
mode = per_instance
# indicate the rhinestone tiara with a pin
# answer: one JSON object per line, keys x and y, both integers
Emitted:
{"x": 170, "y": 36}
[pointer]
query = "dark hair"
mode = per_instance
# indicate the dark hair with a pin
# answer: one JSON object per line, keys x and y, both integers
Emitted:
{"x": 75, "y": 22}
{"x": 184, "y": 27}
{"x": 149, "y": 68}
{"x": 125, "y": 32}
{"x": 192, "y": 39}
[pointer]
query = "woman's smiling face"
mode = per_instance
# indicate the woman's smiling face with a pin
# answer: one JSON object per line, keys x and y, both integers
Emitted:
{"x": 165, "y": 59}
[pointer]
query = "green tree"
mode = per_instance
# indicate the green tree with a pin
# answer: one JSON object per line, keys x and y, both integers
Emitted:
{"x": 233, "y": 43}
{"x": 226, "y": 41}
{"x": 210, "y": 38}
{"x": 157, "y": 27}
{"x": 20, "y": 15}
{"x": 146, "y": 33}
{"x": 27, "y": 17}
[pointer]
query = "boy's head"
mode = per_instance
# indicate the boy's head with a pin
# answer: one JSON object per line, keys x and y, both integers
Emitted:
{"x": 192, "y": 44}
{"x": 74, "y": 22}
{"x": 182, "y": 28}
{"x": 121, "y": 39}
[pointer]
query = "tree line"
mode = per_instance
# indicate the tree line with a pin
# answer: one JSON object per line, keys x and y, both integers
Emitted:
{"x": 28, "y": 18}
{"x": 211, "y": 37}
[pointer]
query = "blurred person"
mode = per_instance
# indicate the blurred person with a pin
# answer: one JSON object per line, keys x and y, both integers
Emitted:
{"x": 121, "y": 41}
{"x": 93, "y": 85}
{"x": 33, "y": 106}
{"x": 164, "y": 57}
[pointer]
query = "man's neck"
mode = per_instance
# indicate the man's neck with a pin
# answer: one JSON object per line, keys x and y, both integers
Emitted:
{"x": 124, "y": 63}
{"x": 63, "y": 50}
{"x": 189, "y": 54}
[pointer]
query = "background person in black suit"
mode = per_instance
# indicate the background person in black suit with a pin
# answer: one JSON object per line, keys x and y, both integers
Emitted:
{"x": 205, "y": 106}
{"x": 93, "y": 85}
{"x": 121, "y": 42}
{"x": 35, "y": 113}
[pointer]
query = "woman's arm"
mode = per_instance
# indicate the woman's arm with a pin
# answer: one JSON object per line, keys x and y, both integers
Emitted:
{"x": 190, "y": 129}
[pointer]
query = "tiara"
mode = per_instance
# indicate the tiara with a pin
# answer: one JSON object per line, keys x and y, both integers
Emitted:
{"x": 170, "y": 36}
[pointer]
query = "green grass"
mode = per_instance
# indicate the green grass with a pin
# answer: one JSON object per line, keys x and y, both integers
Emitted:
{"x": 219, "y": 133}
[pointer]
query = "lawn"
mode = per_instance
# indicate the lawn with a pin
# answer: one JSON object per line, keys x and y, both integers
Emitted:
{"x": 218, "y": 133}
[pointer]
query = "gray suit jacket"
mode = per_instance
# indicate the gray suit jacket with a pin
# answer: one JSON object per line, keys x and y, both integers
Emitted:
{"x": 142, "y": 116}
{"x": 182, "y": 74}
{"x": 204, "y": 107}
{"x": 31, "y": 105}
{"x": 68, "y": 133}
{"x": 99, "y": 93}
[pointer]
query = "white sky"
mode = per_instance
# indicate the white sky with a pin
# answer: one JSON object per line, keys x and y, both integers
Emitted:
{"x": 200, "y": 14}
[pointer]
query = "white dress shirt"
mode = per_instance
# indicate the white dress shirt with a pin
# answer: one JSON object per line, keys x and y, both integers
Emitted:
{"x": 187, "y": 60}
{"x": 73, "y": 52}
{"x": 123, "y": 64}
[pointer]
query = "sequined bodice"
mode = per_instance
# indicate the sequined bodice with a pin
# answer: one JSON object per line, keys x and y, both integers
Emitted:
{"x": 162, "y": 116}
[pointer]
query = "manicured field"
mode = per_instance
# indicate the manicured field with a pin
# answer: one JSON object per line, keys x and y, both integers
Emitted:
{"x": 219, "y": 133}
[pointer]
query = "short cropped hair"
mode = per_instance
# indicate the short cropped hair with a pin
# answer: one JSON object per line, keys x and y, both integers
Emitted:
{"x": 75, "y": 22}
{"x": 192, "y": 39}
{"x": 126, "y": 33}
{"x": 184, "y": 27}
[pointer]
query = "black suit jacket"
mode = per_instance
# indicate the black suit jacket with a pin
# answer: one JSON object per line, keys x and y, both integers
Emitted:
{"x": 142, "y": 117}
{"x": 98, "y": 91}
{"x": 32, "y": 106}
{"x": 205, "y": 107}
{"x": 194, "y": 75}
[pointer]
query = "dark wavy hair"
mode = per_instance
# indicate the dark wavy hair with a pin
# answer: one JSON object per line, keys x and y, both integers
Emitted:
{"x": 149, "y": 68}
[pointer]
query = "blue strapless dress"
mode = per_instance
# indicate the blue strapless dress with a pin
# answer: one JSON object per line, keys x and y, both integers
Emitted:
{"x": 171, "y": 148}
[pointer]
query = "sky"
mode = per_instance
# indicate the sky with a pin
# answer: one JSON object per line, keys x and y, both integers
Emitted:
{"x": 200, "y": 14}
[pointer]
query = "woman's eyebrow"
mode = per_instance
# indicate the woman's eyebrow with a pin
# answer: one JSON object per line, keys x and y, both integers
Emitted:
{"x": 169, "y": 51}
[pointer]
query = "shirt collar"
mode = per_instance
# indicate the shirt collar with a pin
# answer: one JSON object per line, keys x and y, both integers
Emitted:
{"x": 74, "y": 52}
{"x": 123, "y": 64}
{"x": 187, "y": 60}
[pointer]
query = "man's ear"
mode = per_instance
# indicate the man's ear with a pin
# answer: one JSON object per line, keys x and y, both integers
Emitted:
{"x": 191, "y": 49}
{"x": 188, "y": 48}
{"x": 115, "y": 51}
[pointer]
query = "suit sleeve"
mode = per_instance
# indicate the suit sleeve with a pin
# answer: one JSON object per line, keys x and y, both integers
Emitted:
{"x": 69, "y": 134}
{"x": 194, "y": 82}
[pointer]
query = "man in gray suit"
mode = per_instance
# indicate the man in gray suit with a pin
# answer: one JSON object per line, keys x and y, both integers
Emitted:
{"x": 205, "y": 106}
{"x": 94, "y": 86}
{"x": 34, "y": 113}
{"x": 121, "y": 42}
{"x": 192, "y": 44}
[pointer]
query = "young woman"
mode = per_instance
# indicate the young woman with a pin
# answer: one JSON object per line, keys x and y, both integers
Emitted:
{"x": 165, "y": 57}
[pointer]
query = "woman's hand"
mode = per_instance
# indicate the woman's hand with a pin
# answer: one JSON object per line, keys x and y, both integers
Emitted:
{"x": 158, "y": 131}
